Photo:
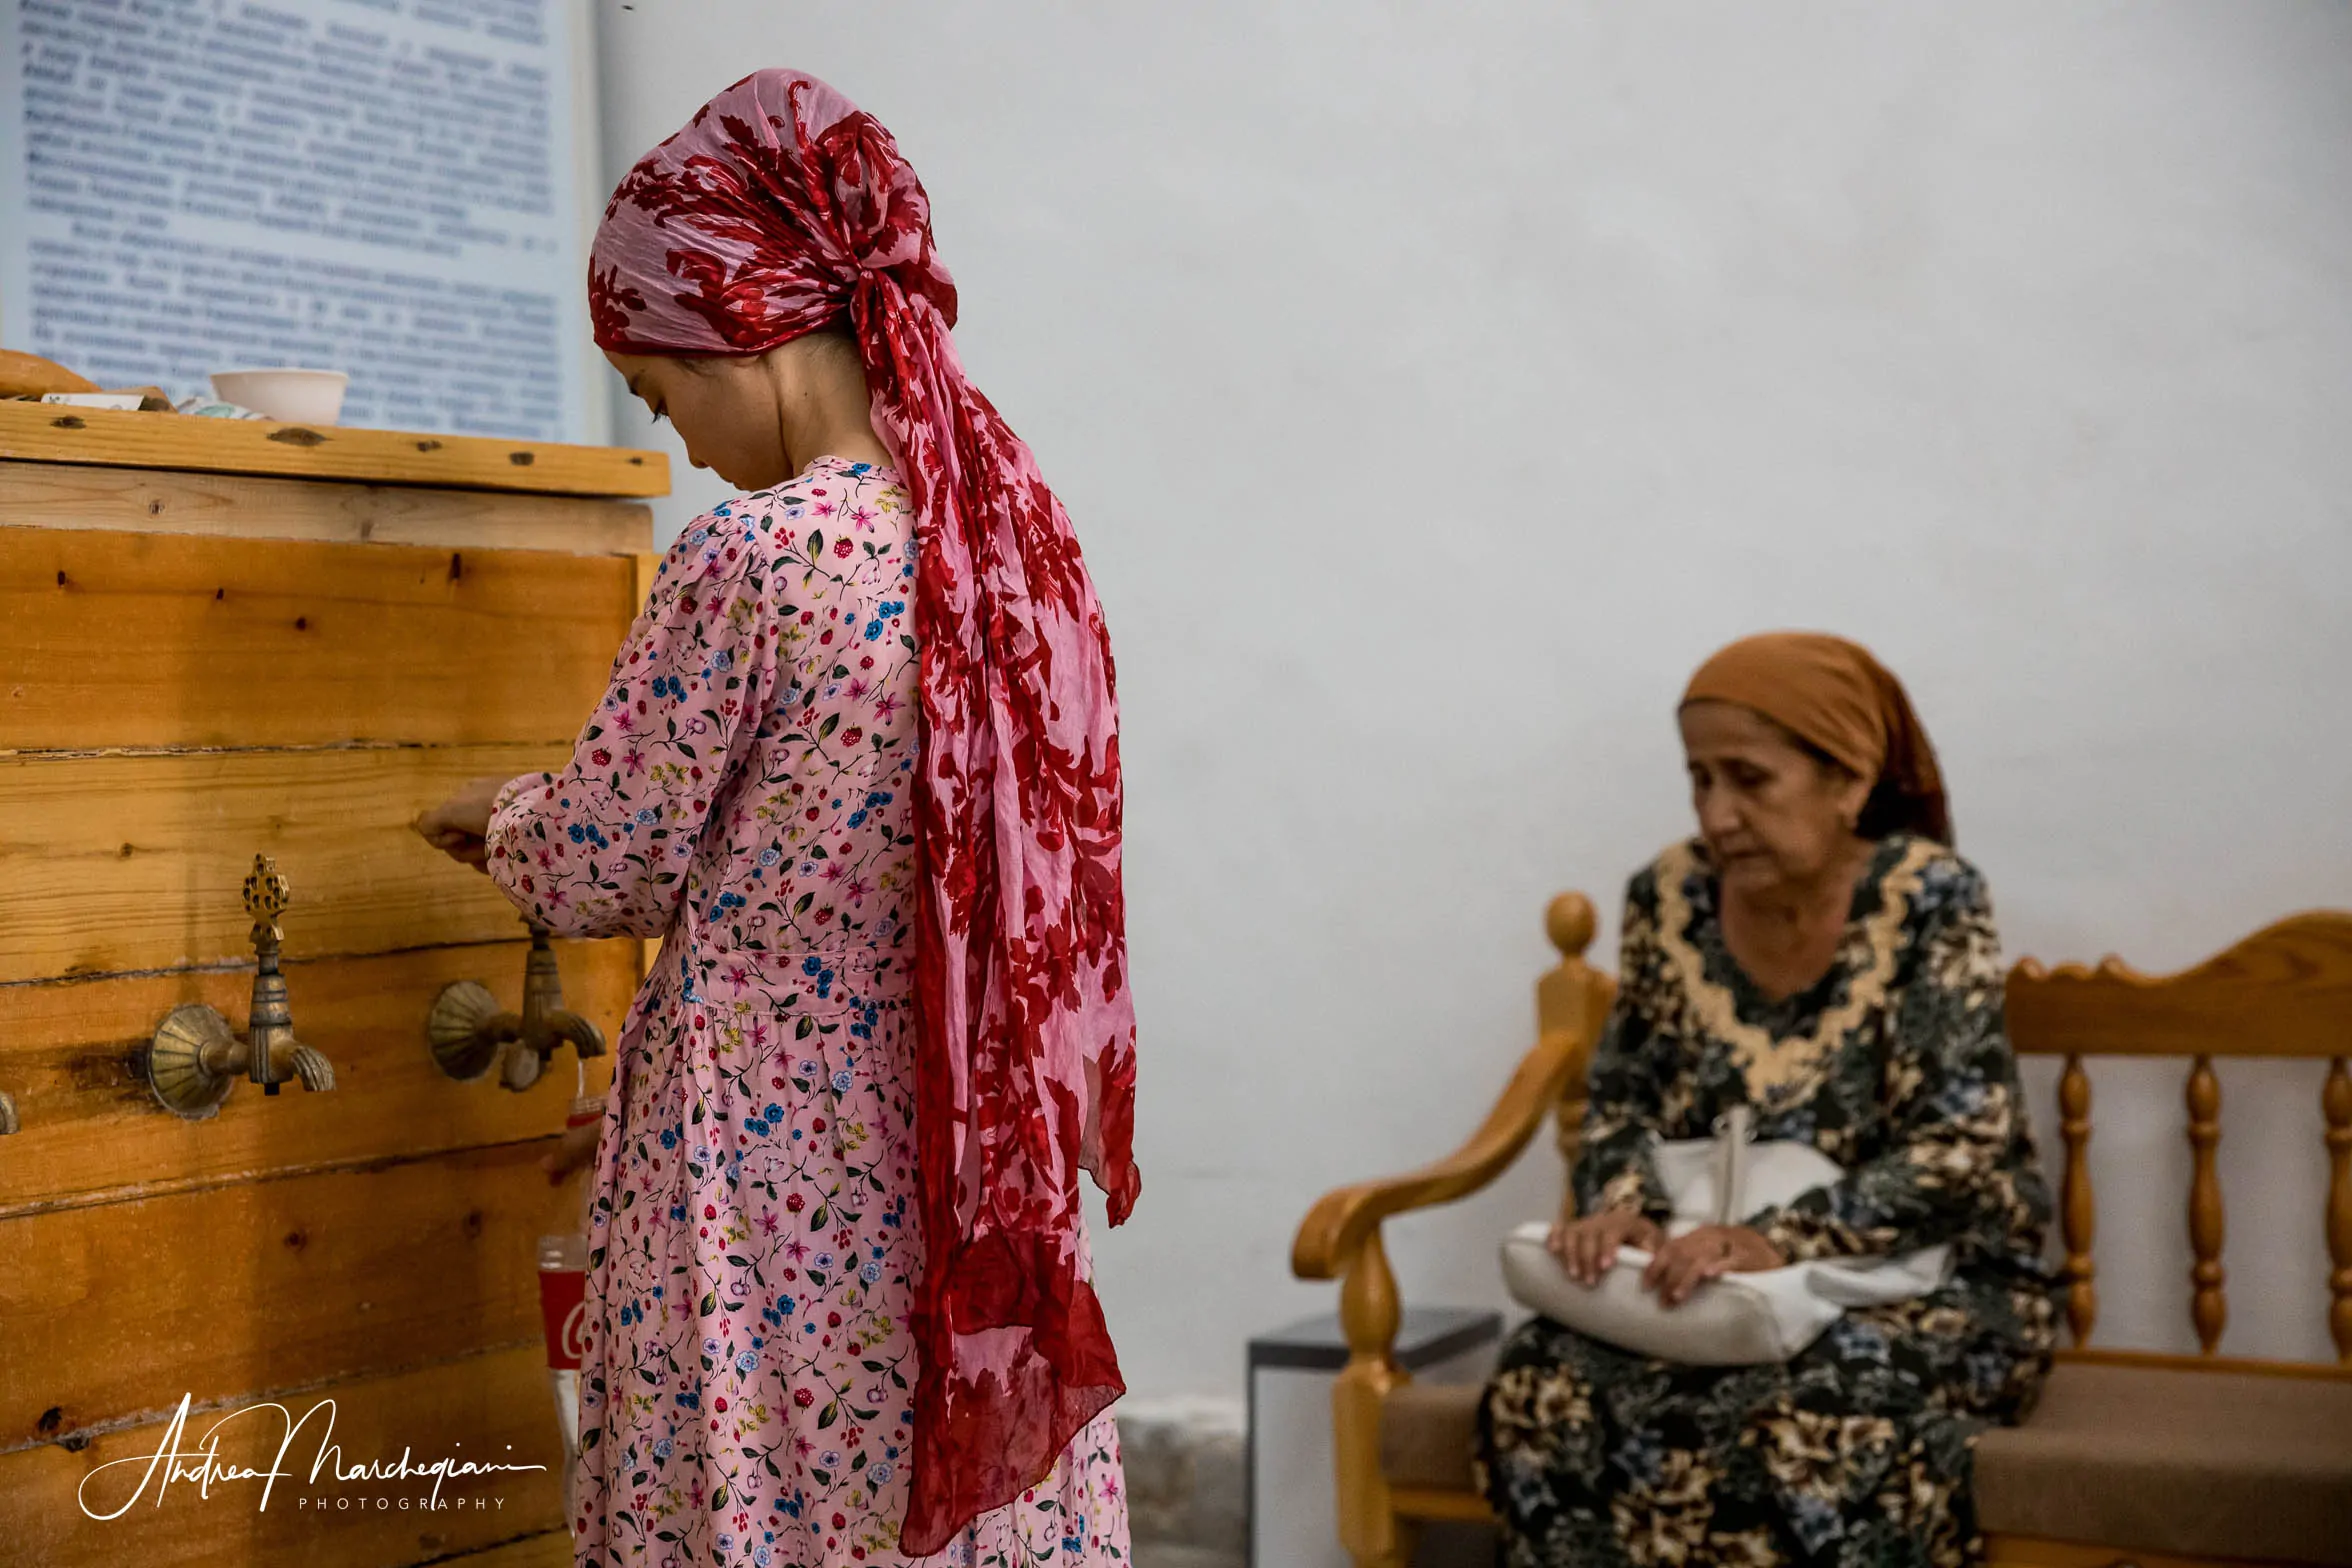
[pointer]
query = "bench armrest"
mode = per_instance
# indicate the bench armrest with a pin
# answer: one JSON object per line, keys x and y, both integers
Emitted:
{"x": 1337, "y": 1226}
{"x": 1340, "y": 1238}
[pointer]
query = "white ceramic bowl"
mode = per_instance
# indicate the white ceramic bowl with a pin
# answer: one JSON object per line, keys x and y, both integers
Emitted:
{"x": 298, "y": 397}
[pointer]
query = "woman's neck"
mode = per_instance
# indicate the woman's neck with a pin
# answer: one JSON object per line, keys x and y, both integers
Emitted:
{"x": 825, "y": 411}
{"x": 1794, "y": 915}
{"x": 853, "y": 442}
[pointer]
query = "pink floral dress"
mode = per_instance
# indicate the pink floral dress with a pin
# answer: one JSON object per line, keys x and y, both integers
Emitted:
{"x": 744, "y": 791}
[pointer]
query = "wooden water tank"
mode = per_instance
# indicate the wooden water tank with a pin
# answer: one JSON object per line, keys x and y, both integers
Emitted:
{"x": 219, "y": 639}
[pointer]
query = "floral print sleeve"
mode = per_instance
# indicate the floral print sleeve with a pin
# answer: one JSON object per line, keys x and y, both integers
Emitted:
{"x": 602, "y": 848}
{"x": 1959, "y": 1166}
{"x": 1625, "y": 1093}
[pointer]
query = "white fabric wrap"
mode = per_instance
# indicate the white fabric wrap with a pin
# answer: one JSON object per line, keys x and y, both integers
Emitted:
{"x": 1734, "y": 1319}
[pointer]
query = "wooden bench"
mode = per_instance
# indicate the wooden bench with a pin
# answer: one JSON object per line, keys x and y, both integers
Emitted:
{"x": 2157, "y": 1461}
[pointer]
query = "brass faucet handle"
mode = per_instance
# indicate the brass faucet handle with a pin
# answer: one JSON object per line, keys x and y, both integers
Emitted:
{"x": 266, "y": 897}
{"x": 311, "y": 1066}
{"x": 584, "y": 1036}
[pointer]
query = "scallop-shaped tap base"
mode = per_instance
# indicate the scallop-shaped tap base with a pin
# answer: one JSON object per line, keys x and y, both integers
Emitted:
{"x": 454, "y": 1029}
{"x": 175, "y": 1061}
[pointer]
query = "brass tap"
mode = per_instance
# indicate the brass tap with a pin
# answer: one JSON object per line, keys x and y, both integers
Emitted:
{"x": 468, "y": 1032}
{"x": 194, "y": 1057}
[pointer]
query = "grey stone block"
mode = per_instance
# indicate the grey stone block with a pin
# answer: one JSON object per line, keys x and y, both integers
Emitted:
{"x": 1187, "y": 1487}
{"x": 1163, "y": 1554}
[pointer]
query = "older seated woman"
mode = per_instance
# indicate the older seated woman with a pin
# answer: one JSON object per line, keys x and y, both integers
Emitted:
{"x": 1819, "y": 954}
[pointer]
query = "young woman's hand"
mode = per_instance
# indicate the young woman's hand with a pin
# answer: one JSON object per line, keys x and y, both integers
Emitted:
{"x": 577, "y": 1149}
{"x": 1587, "y": 1247}
{"x": 460, "y": 825}
{"x": 1689, "y": 1261}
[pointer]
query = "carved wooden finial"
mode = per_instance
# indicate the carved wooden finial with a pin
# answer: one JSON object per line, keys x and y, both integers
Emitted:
{"x": 1569, "y": 921}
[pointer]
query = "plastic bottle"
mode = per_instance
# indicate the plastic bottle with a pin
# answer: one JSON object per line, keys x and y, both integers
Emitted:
{"x": 563, "y": 1278}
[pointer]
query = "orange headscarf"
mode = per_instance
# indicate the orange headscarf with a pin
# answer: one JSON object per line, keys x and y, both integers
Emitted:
{"x": 1833, "y": 694}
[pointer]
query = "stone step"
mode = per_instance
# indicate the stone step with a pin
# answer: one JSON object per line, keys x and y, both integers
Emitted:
{"x": 1167, "y": 1554}
{"x": 1186, "y": 1485}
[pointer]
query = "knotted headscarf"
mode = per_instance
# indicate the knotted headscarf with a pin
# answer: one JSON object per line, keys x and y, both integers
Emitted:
{"x": 781, "y": 208}
{"x": 1833, "y": 694}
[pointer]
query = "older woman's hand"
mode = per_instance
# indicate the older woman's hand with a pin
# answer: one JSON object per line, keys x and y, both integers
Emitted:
{"x": 1689, "y": 1261}
{"x": 1587, "y": 1247}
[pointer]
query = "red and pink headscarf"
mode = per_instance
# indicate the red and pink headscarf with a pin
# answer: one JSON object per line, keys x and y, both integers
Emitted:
{"x": 781, "y": 208}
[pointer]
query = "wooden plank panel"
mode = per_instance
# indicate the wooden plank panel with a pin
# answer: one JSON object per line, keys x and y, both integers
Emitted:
{"x": 121, "y": 863}
{"x": 494, "y": 1407}
{"x": 47, "y": 434}
{"x": 2284, "y": 991}
{"x": 92, "y": 1127}
{"x": 2025, "y": 1551}
{"x": 154, "y": 640}
{"x": 72, "y": 495}
{"x": 118, "y": 1310}
{"x": 2168, "y": 1361}
{"x": 550, "y": 1550}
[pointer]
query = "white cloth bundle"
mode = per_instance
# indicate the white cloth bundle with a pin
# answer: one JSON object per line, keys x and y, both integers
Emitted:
{"x": 1733, "y": 1319}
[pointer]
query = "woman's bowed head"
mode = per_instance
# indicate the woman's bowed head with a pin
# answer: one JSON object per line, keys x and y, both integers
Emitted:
{"x": 756, "y": 419}
{"x": 1803, "y": 752}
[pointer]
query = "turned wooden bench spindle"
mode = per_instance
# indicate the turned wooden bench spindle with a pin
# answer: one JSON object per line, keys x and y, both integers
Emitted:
{"x": 2336, "y": 1103}
{"x": 2079, "y": 1206}
{"x": 2209, "y": 1309}
{"x": 2207, "y": 1213}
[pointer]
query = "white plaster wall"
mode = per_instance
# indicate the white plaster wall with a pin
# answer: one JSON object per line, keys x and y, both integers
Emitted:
{"x": 1434, "y": 384}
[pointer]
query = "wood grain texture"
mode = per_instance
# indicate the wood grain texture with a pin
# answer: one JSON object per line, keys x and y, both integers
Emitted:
{"x": 29, "y": 375}
{"x": 2284, "y": 991}
{"x": 222, "y": 1292}
{"x": 167, "y": 640}
{"x": 1424, "y": 1502}
{"x": 2173, "y": 1361}
{"x": 78, "y": 496}
{"x": 2079, "y": 1208}
{"x": 33, "y": 432}
{"x": 550, "y": 1549}
{"x": 69, "y": 1052}
{"x": 492, "y": 1407}
{"x": 2021, "y": 1551}
{"x": 124, "y": 863}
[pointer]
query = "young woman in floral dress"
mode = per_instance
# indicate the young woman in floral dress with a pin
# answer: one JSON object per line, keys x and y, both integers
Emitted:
{"x": 858, "y": 767}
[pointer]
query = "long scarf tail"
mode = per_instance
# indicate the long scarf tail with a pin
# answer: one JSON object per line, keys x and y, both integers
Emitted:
{"x": 1020, "y": 956}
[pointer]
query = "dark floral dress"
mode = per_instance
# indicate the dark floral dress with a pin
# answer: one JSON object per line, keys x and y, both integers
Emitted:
{"x": 1896, "y": 1065}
